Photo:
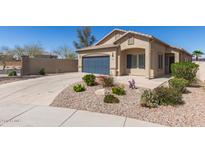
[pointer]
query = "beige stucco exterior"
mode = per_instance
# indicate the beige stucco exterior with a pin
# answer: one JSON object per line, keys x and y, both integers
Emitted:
{"x": 118, "y": 48}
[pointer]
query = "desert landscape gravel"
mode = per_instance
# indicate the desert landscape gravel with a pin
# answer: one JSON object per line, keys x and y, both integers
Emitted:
{"x": 191, "y": 113}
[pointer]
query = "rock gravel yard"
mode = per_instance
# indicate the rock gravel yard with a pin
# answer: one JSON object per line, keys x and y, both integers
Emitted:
{"x": 192, "y": 113}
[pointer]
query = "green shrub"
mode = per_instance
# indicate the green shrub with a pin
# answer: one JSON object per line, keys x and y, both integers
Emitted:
{"x": 89, "y": 79}
{"x": 168, "y": 96}
{"x": 149, "y": 99}
{"x": 161, "y": 96}
{"x": 118, "y": 91}
{"x": 178, "y": 84}
{"x": 108, "y": 82}
{"x": 12, "y": 73}
{"x": 78, "y": 88}
{"x": 42, "y": 71}
{"x": 185, "y": 70}
{"x": 111, "y": 99}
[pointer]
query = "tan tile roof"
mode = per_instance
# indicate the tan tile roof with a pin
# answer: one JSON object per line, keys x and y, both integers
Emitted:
{"x": 98, "y": 47}
{"x": 152, "y": 37}
{"x": 128, "y": 32}
{"x": 181, "y": 49}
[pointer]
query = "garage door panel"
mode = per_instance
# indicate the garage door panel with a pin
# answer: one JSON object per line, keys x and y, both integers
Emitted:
{"x": 98, "y": 65}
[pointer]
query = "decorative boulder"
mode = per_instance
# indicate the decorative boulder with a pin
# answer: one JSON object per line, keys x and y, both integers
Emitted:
{"x": 100, "y": 92}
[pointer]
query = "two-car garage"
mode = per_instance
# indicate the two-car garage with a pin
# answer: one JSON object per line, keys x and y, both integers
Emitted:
{"x": 96, "y": 64}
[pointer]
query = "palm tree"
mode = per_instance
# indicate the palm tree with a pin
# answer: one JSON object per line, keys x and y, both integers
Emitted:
{"x": 85, "y": 38}
{"x": 197, "y": 54}
{"x": 65, "y": 53}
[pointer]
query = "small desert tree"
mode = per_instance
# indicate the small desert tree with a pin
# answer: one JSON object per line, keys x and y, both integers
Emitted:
{"x": 65, "y": 52}
{"x": 33, "y": 50}
{"x": 6, "y": 55}
{"x": 197, "y": 54}
{"x": 19, "y": 51}
{"x": 85, "y": 38}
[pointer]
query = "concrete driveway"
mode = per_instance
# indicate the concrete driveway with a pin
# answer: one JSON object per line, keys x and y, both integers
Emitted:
{"x": 25, "y": 103}
{"x": 39, "y": 91}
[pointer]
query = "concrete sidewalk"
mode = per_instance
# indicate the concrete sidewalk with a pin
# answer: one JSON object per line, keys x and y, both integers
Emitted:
{"x": 24, "y": 115}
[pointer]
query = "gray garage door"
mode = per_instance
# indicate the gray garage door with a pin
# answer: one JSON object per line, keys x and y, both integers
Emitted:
{"x": 97, "y": 65}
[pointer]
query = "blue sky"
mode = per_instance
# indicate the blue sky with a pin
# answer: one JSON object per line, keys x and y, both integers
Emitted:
{"x": 189, "y": 38}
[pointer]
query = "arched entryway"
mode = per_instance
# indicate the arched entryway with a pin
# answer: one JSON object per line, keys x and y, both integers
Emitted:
{"x": 133, "y": 61}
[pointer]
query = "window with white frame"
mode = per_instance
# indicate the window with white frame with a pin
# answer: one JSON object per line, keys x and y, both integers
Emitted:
{"x": 136, "y": 61}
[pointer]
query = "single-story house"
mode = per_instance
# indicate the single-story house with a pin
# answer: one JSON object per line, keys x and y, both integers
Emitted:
{"x": 130, "y": 53}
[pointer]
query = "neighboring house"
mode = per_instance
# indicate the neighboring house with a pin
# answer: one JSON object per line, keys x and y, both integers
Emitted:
{"x": 130, "y": 53}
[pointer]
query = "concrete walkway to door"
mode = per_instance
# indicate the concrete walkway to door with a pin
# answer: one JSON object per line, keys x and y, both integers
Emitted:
{"x": 142, "y": 82}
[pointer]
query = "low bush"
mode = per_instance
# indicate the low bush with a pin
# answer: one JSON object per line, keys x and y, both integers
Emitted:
{"x": 12, "y": 73}
{"x": 149, "y": 99}
{"x": 185, "y": 70}
{"x": 118, "y": 91}
{"x": 89, "y": 79}
{"x": 108, "y": 82}
{"x": 161, "y": 96}
{"x": 42, "y": 71}
{"x": 168, "y": 96}
{"x": 111, "y": 99}
{"x": 178, "y": 84}
{"x": 78, "y": 88}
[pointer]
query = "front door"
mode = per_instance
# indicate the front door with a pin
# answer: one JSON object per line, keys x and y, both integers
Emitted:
{"x": 169, "y": 60}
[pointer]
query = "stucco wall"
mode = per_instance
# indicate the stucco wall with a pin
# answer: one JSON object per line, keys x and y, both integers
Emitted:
{"x": 112, "y": 52}
{"x": 157, "y": 49}
{"x": 142, "y": 45}
{"x": 201, "y": 71}
{"x": 111, "y": 38}
{"x": 139, "y": 42}
{"x": 32, "y": 66}
{"x": 185, "y": 57}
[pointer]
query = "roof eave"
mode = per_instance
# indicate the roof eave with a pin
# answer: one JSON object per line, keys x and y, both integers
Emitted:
{"x": 97, "y": 48}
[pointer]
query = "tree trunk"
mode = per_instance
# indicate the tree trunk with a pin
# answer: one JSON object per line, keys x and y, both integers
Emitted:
{"x": 197, "y": 58}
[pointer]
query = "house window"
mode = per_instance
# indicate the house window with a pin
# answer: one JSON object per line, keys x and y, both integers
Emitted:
{"x": 142, "y": 61}
{"x": 131, "y": 41}
{"x": 160, "y": 61}
{"x": 131, "y": 61}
